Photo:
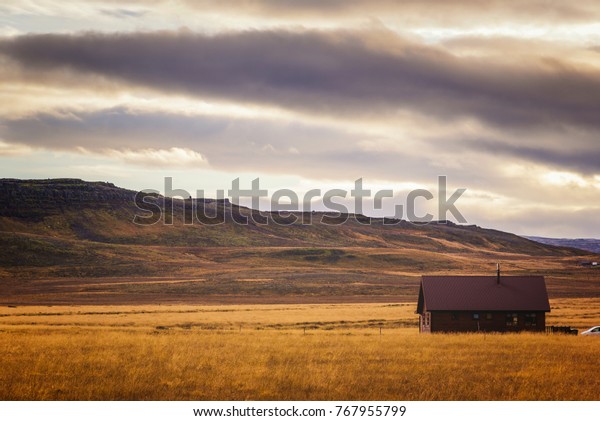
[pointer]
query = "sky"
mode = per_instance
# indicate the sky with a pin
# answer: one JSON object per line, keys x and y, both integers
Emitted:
{"x": 503, "y": 100}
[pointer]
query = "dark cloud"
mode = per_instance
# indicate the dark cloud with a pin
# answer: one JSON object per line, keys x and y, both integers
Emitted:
{"x": 270, "y": 147}
{"x": 108, "y": 128}
{"x": 338, "y": 73}
{"x": 585, "y": 161}
{"x": 228, "y": 144}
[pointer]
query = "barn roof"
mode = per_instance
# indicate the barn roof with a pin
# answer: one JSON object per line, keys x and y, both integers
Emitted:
{"x": 483, "y": 293}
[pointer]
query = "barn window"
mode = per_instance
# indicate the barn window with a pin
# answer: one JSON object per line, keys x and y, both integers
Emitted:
{"x": 530, "y": 319}
{"x": 475, "y": 316}
{"x": 426, "y": 319}
{"x": 512, "y": 319}
{"x": 489, "y": 316}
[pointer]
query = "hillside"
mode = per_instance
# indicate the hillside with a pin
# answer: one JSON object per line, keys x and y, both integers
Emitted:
{"x": 67, "y": 239}
{"x": 76, "y": 210}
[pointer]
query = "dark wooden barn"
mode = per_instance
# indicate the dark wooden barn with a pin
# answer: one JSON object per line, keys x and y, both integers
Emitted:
{"x": 482, "y": 304}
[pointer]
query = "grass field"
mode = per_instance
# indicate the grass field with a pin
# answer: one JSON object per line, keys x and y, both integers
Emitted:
{"x": 285, "y": 352}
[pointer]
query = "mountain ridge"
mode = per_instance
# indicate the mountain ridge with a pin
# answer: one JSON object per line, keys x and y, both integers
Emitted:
{"x": 75, "y": 209}
{"x": 73, "y": 241}
{"x": 587, "y": 244}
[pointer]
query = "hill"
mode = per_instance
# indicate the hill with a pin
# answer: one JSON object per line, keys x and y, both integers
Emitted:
{"x": 68, "y": 239}
{"x": 587, "y": 244}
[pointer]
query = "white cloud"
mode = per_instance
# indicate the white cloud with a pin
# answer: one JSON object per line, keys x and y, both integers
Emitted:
{"x": 9, "y": 31}
{"x": 172, "y": 157}
{"x": 548, "y": 177}
{"x": 11, "y": 149}
{"x": 564, "y": 178}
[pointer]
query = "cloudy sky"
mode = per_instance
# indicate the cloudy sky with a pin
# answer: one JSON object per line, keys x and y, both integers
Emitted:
{"x": 503, "y": 100}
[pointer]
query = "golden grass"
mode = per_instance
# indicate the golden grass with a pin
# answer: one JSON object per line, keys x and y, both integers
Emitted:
{"x": 277, "y": 316}
{"x": 199, "y": 353}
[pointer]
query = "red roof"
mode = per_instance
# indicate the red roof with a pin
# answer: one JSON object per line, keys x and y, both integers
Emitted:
{"x": 483, "y": 293}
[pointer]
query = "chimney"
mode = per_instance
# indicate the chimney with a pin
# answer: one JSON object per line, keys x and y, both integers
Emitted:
{"x": 498, "y": 274}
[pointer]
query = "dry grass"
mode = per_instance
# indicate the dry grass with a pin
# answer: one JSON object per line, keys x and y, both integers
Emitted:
{"x": 199, "y": 353}
{"x": 280, "y": 317}
{"x": 265, "y": 275}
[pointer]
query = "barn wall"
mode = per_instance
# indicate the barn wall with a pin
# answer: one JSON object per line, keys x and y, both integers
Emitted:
{"x": 464, "y": 322}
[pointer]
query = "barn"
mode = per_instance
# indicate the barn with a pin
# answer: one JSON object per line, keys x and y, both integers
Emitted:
{"x": 482, "y": 304}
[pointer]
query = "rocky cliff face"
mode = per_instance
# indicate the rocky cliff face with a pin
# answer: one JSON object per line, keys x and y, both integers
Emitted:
{"x": 35, "y": 199}
{"x": 31, "y": 198}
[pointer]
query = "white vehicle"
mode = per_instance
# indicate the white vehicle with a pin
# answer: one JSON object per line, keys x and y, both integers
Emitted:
{"x": 592, "y": 331}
